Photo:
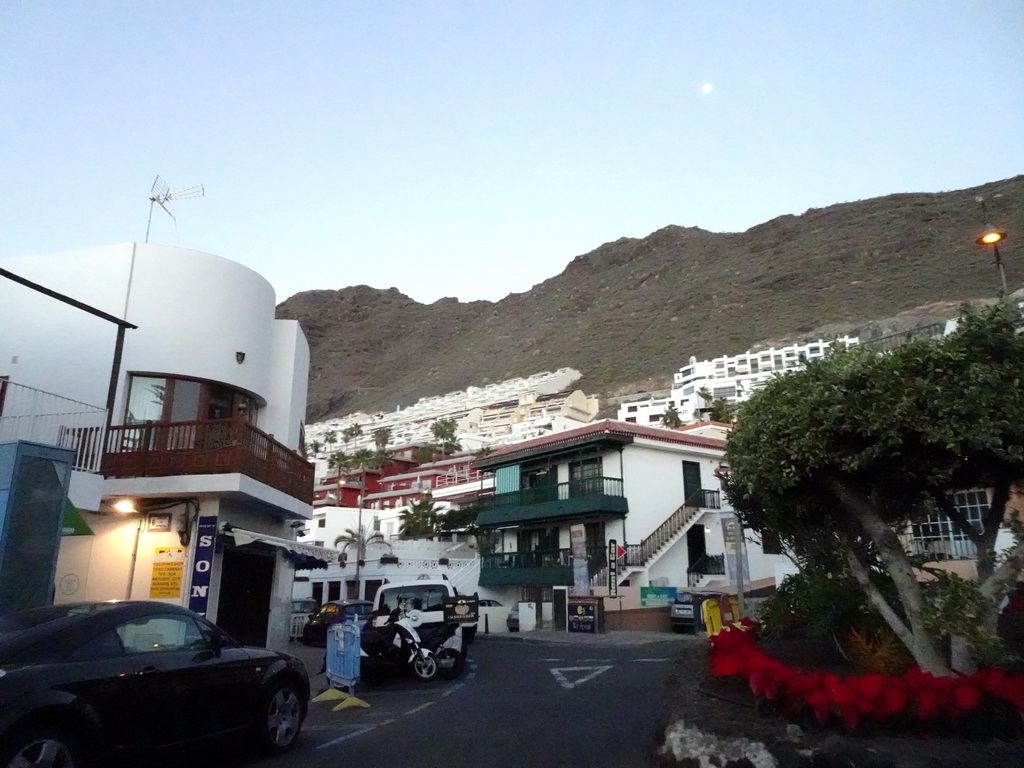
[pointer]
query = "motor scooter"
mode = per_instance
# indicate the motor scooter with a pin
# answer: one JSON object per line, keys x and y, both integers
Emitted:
{"x": 446, "y": 642}
{"x": 396, "y": 642}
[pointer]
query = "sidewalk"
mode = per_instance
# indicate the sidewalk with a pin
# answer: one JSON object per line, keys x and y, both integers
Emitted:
{"x": 620, "y": 637}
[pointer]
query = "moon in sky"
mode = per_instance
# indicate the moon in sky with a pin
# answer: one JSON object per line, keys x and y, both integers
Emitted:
{"x": 707, "y": 88}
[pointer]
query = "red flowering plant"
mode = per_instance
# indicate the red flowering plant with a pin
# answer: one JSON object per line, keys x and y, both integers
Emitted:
{"x": 913, "y": 696}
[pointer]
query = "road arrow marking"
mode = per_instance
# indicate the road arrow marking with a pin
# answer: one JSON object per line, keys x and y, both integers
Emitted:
{"x": 594, "y": 672}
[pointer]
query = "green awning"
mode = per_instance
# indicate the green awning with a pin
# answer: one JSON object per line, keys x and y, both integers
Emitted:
{"x": 73, "y": 523}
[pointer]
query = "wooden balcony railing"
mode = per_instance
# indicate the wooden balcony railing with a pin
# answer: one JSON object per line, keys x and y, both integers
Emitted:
{"x": 225, "y": 446}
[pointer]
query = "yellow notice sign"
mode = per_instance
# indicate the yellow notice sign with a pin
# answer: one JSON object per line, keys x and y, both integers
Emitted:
{"x": 168, "y": 571}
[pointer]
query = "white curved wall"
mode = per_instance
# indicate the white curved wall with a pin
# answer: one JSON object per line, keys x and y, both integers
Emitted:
{"x": 193, "y": 310}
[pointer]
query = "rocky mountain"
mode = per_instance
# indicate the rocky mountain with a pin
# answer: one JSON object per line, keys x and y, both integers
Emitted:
{"x": 631, "y": 312}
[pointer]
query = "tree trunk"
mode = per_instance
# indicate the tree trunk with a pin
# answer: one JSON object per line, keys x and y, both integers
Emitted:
{"x": 962, "y": 656}
{"x": 922, "y": 646}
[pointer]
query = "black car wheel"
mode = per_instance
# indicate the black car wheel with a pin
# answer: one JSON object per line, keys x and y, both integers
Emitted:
{"x": 43, "y": 747}
{"x": 281, "y": 719}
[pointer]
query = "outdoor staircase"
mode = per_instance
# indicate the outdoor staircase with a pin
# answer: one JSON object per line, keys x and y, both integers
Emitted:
{"x": 640, "y": 556}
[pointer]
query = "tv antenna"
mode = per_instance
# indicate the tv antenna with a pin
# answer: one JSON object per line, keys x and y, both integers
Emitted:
{"x": 161, "y": 195}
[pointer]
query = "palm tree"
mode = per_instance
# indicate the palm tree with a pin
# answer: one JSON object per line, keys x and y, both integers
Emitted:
{"x": 330, "y": 437}
{"x": 420, "y": 519}
{"x": 671, "y": 418}
{"x": 351, "y": 433}
{"x": 315, "y": 447}
{"x": 360, "y": 539}
{"x": 381, "y": 437}
{"x": 443, "y": 431}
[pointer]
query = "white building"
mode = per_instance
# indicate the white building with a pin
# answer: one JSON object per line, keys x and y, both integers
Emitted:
{"x": 731, "y": 378}
{"x": 205, "y": 427}
{"x": 653, "y": 492}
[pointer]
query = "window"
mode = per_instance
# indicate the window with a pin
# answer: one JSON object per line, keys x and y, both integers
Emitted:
{"x": 937, "y": 536}
{"x": 723, "y": 392}
{"x": 688, "y": 390}
{"x": 631, "y": 409}
{"x": 631, "y": 419}
{"x": 154, "y": 634}
{"x": 106, "y": 645}
{"x": 166, "y": 399}
{"x": 321, "y": 523}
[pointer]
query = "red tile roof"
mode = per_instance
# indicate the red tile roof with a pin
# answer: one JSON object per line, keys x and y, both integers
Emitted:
{"x": 609, "y": 427}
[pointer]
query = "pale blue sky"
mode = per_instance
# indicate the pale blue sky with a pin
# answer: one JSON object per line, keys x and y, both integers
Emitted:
{"x": 472, "y": 149}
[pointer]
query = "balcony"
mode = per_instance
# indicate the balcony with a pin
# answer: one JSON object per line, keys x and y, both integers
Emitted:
{"x": 225, "y": 446}
{"x": 27, "y": 413}
{"x": 554, "y": 503}
{"x": 526, "y": 569}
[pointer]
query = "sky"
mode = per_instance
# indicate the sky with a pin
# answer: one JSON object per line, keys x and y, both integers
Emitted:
{"x": 473, "y": 149}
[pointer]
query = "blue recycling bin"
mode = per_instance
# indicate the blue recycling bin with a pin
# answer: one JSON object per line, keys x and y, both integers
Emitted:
{"x": 343, "y": 647}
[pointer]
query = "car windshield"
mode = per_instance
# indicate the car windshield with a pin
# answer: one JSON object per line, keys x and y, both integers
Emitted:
{"x": 34, "y": 617}
{"x": 361, "y": 609}
{"x": 423, "y": 598}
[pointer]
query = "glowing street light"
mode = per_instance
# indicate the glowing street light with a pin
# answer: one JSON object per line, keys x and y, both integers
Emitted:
{"x": 993, "y": 238}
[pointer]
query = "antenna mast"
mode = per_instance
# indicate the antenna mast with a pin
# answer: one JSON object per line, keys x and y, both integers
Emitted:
{"x": 161, "y": 195}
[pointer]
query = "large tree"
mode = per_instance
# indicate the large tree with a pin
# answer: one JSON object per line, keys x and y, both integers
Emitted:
{"x": 847, "y": 454}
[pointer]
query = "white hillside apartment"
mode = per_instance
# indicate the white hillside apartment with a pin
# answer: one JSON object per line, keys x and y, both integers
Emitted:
{"x": 497, "y": 414}
{"x": 177, "y": 399}
{"x": 732, "y": 378}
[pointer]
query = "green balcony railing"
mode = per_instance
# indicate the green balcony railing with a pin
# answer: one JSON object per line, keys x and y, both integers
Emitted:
{"x": 554, "y": 502}
{"x": 526, "y": 568}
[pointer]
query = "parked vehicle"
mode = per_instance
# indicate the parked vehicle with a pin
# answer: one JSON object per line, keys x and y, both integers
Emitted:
{"x": 428, "y": 598}
{"x": 446, "y": 643}
{"x": 512, "y": 620}
{"x": 332, "y": 612}
{"x": 487, "y": 602}
{"x": 86, "y": 681}
{"x": 305, "y": 605}
{"x": 396, "y": 642}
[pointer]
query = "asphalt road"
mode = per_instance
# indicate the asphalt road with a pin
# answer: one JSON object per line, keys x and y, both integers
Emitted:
{"x": 518, "y": 704}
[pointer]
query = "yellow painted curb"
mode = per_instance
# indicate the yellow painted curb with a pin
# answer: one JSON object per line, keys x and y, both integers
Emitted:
{"x": 351, "y": 701}
{"x": 331, "y": 694}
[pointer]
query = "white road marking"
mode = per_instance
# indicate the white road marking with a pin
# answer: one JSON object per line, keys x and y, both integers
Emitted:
{"x": 359, "y": 731}
{"x": 594, "y": 672}
{"x": 652, "y": 659}
{"x": 452, "y": 689}
{"x": 420, "y": 708}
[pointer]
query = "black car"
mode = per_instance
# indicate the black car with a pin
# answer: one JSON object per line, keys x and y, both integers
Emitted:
{"x": 333, "y": 612}
{"x": 90, "y": 680}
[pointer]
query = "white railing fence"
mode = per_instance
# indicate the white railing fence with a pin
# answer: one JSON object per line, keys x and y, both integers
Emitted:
{"x": 33, "y": 415}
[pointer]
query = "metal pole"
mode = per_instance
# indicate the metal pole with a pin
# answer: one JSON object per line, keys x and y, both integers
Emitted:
{"x": 135, "y": 557}
{"x": 740, "y": 558}
{"x": 360, "y": 541}
{"x": 1002, "y": 272}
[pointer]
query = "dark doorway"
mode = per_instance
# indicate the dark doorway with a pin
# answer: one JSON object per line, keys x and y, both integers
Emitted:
{"x": 696, "y": 546}
{"x": 243, "y": 608}
{"x": 691, "y": 484}
{"x": 560, "y": 600}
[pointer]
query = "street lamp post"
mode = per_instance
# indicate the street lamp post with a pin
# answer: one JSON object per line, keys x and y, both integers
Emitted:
{"x": 993, "y": 238}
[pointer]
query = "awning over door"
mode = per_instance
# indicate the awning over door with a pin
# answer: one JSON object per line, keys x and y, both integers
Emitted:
{"x": 304, "y": 556}
{"x": 73, "y": 523}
